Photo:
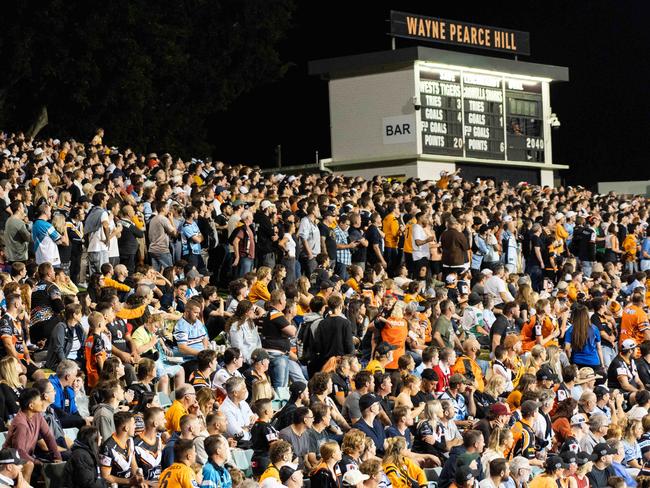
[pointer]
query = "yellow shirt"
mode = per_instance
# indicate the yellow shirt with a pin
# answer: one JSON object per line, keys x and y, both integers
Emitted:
{"x": 270, "y": 472}
{"x": 173, "y": 416}
{"x": 259, "y": 291}
{"x": 561, "y": 234}
{"x": 178, "y": 475}
{"x": 390, "y": 226}
{"x": 542, "y": 482}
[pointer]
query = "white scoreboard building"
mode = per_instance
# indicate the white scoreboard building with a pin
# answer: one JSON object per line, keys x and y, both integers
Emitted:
{"x": 417, "y": 111}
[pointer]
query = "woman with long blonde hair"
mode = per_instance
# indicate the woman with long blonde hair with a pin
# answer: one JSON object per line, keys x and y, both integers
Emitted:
{"x": 10, "y": 388}
{"x": 526, "y": 298}
{"x": 399, "y": 468}
{"x": 41, "y": 193}
{"x": 536, "y": 358}
{"x": 500, "y": 442}
{"x": 304, "y": 297}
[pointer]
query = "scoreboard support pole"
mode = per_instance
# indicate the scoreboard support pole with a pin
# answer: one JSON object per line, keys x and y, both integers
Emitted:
{"x": 546, "y": 114}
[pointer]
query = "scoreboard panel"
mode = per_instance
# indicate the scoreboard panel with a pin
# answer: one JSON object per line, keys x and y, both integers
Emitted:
{"x": 471, "y": 114}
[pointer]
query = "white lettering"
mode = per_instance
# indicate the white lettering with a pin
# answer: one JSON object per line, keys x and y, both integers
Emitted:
{"x": 476, "y": 106}
{"x": 448, "y": 75}
{"x": 438, "y": 127}
{"x": 485, "y": 80}
{"x": 483, "y": 94}
{"x": 433, "y": 101}
{"x": 477, "y": 145}
{"x": 436, "y": 141}
{"x": 515, "y": 85}
{"x": 434, "y": 114}
{"x": 481, "y": 132}
{"x": 476, "y": 118}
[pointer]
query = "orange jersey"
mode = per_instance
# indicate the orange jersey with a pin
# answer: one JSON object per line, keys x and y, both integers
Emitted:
{"x": 95, "y": 350}
{"x": 390, "y": 226}
{"x": 634, "y": 323}
{"x": 259, "y": 291}
{"x": 408, "y": 236}
{"x": 532, "y": 330}
{"x": 394, "y": 332}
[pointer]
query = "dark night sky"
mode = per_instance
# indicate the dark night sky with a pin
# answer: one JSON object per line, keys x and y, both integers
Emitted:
{"x": 604, "y": 109}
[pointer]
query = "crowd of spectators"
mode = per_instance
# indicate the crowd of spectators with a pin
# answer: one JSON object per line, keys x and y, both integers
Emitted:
{"x": 186, "y": 323}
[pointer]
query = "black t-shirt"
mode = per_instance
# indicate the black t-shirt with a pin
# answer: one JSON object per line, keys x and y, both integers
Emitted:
{"x": 603, "y": 327}
{"x": 374, "y": 237}
{"x": 330, "y": 240}
{"x": 272, "y": 336}
{"x": 427, "y": 428}
{"x": 502, "y": 326}
{"x": 644, "y": 371}
{"x": 618, "y": 367}
{"x": 262, "y": 435}
{"x": 535, "y": 241}
{"x": 46, "y": 302}
{"x": 421, "y": 397}
{"x": 339, "y": 384}
{"x": 359, "y": 254}
{"x": 598, "y": 478}
{"x": 148, "y": 456}
{"x": 118, "y": 334}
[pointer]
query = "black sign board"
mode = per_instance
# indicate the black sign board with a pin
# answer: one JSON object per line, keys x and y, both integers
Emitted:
{"x": 481, "y": 116}
{"x": 434, "y": 29}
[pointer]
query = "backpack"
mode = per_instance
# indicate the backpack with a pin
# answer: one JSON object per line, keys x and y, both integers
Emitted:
{"x": 306, "y": 338}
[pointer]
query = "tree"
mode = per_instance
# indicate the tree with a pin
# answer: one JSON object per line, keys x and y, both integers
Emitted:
{"x": 150, "y": 73}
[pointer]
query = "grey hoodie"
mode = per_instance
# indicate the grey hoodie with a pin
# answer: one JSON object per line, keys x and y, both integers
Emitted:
{"x": 103, "y": 420}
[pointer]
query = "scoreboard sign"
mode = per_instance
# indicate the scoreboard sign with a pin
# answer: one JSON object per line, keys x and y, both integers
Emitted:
{"x": 475, "y": 115}
{"x": 434, "y": 29}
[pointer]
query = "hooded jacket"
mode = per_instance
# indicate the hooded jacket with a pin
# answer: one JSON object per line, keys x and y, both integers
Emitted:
{"x": 103, "y": 420}
{"x": 82, "y": 469}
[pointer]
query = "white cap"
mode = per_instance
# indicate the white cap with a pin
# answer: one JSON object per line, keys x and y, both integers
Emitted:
{"x": 38, "y": 151}
{"x": 353, "y": 477}
{"x": 266, "y": 204}
{"x": 243, "y": 189}
{"x": 570, "y": 214}
{"x": 507, "y": 218}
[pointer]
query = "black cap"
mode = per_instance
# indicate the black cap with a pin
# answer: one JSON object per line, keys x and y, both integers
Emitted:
{"x": 464, "y": 474}
{"x": 583, "y": 458}
{"x": 546, "y": 373}
{"x": 570, "y": 457}
{"x": 259, "y": 355}
{"x": 286, "y": 472}
{"x": 11, "y": 456}
{"x": 368, "y": 400}
{"x": 600, "y": 391}
{"x": 384, "y": 348}
{"x": 602, "y": 449}
{"x": 555, "y": 462}
{"x": 297, "y": 388}
{"x": 474, "y": 299}
{"x": 325, "y": 284}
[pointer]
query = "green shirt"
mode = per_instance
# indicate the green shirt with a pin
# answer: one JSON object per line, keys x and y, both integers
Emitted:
{"x": 446, "y": 330}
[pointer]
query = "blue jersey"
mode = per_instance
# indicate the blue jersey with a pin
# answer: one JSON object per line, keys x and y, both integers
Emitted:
{"x": 215, "y": 476}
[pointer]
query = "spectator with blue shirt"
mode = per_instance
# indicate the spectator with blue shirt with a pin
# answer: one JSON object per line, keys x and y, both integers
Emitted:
{"x": 645, "y": 252}
{"x": 461, "y": 393}
{"x": 214, "y": 471}
{"x": 582, "y": 340}
{"x": 192, "y": 238}
{"x": 369, "y": 424}
{"x": 190, "y": 333}
{"x": 45, "y": 237}
{"x": 64, "y": 401}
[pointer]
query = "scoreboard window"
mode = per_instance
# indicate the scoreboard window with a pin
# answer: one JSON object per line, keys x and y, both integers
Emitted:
{"x": 474, "y": 115}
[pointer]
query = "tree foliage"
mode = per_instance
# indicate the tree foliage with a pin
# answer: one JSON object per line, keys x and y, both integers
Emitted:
{"x": 150, "y": 72}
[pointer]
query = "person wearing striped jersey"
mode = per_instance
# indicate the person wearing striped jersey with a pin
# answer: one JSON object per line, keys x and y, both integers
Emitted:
{"x": 189, "y": 332}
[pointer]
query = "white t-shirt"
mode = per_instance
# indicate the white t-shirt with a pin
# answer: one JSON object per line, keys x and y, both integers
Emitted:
{"x": 419, "y": 252}
{"x": 291, "y": 246}
{"x": 113, "y": 248}
{"x": 494, "y": 286}
{"x": 96, "y": 242}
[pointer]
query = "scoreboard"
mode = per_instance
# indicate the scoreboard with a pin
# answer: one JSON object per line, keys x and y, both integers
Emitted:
{"x": 471, "y": 114}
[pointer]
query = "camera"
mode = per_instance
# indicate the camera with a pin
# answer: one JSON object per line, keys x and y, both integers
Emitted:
{"x": 554, "y": 121}
{"x": 416, "y": 103}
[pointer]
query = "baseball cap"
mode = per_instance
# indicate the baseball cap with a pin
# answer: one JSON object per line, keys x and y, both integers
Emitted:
{"x": 518, "y": 463}
{"x": 384, "y": 348}
{"x": 464, "y": 474}
{"x": 628, "y": 344}
{"x": 11, "y": 456}
{"x": 266, "y": 204}
{"x": 325, "y": 284}
{"x": 286, "y": 472}
{"x": 583, "y": 458}
{"x": 413, "y": 307}
{"x": 474, "y": 299}
{"x": 602, "y": 449}
{"x": 353, "y": 477}
{"x": 458, "y": 379}
{"x": 578, "y": 419}
{"x": 545, "y": 373}
{"x": 499, "y": 409}
{"x": 259, "y": 355}
{"x": 367, "y": 401}
{"x": 555, "y": 462}
{"x": 297, "y": 388}
{"x": 507, "y": 218}
{"x": 451, "y": 278}
{"x": 562, "y": 285}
